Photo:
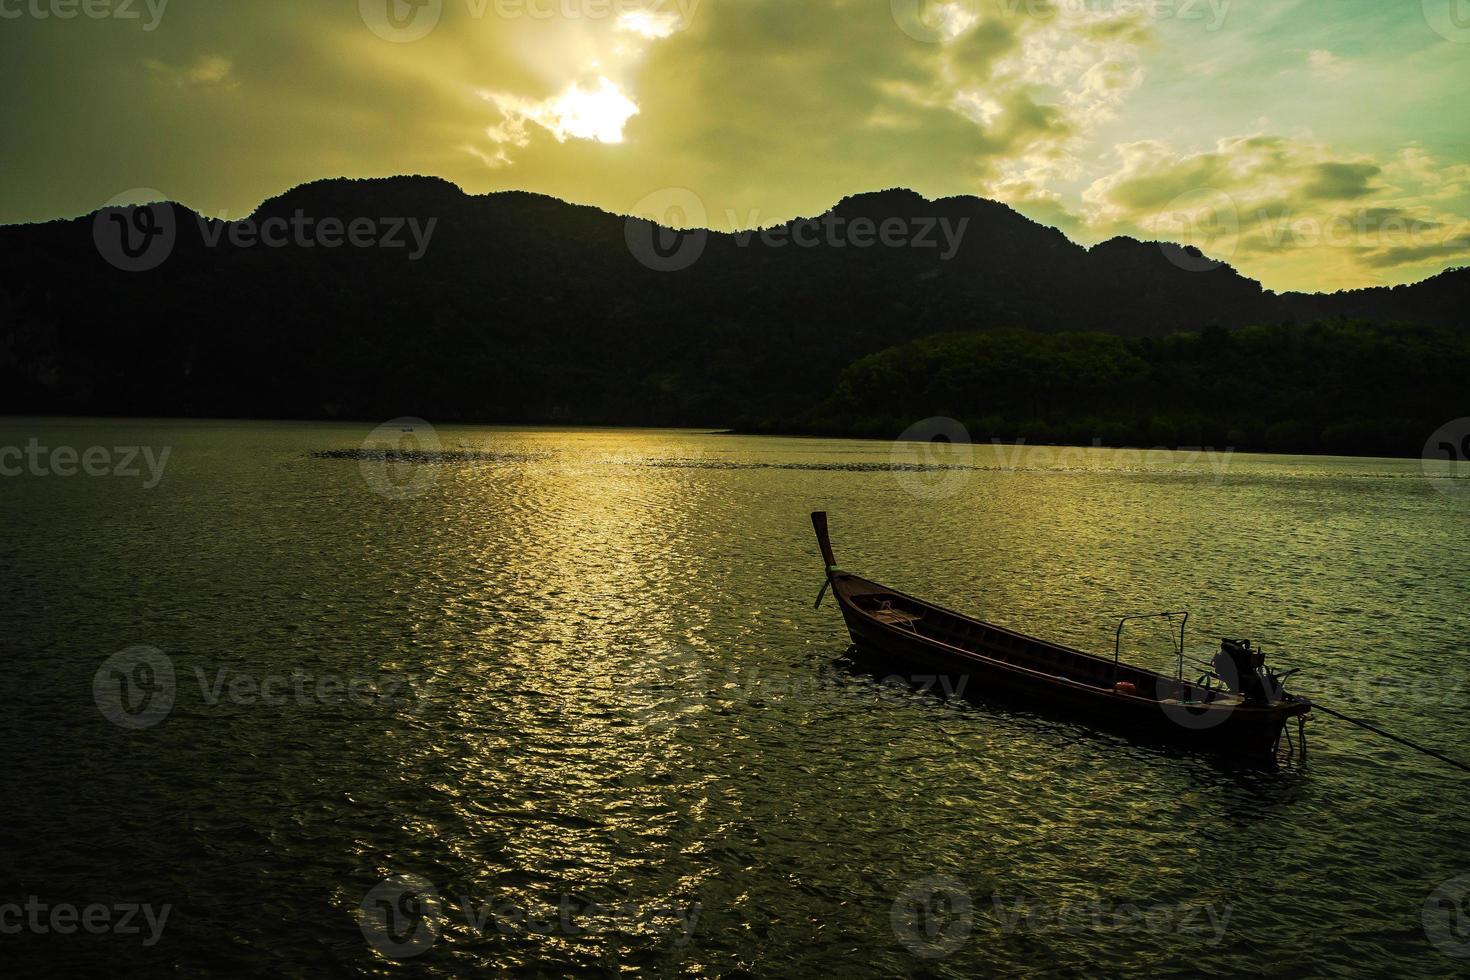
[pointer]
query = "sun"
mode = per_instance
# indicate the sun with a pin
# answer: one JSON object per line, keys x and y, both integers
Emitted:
{"x": 598, "y": 113}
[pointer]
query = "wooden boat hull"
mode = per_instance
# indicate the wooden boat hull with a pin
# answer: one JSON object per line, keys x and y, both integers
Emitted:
{"x": 948, "y": 652}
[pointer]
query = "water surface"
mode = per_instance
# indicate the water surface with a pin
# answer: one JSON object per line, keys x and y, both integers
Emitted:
{"x": 573, "y": 680}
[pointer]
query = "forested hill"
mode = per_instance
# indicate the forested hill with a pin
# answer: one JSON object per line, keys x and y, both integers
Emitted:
{"x": 1343, "y": 387}
{"x": 515, "y": 307}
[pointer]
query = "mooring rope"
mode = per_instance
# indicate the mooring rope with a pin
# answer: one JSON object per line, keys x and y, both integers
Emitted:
{"x": 1402, "y": 741}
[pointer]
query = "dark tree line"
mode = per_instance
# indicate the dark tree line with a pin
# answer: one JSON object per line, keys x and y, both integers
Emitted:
{"x": 1345, "y": 386}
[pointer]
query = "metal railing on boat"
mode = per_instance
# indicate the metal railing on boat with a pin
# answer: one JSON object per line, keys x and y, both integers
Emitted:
{"x": 1118, "y": 639}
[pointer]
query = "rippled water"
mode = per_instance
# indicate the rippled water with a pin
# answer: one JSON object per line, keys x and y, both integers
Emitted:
{"x": 567, "y": 690}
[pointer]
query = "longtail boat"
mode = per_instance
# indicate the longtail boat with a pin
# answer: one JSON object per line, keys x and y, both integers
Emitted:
{"x": 1238, "y": 706}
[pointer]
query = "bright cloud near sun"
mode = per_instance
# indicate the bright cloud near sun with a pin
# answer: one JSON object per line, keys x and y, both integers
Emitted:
{"x": 598, "y": 112}
{"x": 648, "y": 24}
{"x": 597, "y": 104}
{"x": 953, "y": 20}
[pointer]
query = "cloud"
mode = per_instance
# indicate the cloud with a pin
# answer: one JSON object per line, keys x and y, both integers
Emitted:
{"x": 597, "y": 112}
{"x": 1406, "y": 254}
{"x": 593, "y": 64}
{"x": 1341, "y": 181}
{"x": 1326, "y": 64}
{"x": 651, "y": 25}
{"x": 206, "y": 71}
{"x": 1275, "y": 205}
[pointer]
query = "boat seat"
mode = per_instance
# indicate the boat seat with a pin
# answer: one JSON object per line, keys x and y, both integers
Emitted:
{"x": 1222, "y": 699}
{"x": 885, "y": 613}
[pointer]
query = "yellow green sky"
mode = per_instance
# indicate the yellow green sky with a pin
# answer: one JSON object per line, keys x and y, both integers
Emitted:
{"x": 1315, "y": 144}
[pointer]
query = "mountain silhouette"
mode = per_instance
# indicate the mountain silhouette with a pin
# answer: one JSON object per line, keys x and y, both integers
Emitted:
{"x": 517, "y": 307}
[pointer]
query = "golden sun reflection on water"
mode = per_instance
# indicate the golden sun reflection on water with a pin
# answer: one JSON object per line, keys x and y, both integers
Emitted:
{"x": 617, "y": 688}
{"x": 577, "y": 639}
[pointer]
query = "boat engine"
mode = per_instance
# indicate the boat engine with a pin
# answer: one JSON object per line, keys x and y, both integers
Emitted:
{"x": 1243, "y": 670}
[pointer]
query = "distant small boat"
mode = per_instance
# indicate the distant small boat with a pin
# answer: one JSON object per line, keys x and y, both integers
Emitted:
{"x": 1237, "y": 707}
